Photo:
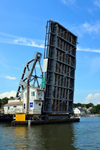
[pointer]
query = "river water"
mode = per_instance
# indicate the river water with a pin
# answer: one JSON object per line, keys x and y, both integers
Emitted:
{"x": 83, "y": 135}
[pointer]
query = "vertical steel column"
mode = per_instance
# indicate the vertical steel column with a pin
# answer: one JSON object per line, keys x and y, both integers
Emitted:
{"x": 27, "y": 97}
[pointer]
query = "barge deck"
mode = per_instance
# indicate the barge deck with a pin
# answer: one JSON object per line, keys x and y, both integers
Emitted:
{"x": 40, "y": 122}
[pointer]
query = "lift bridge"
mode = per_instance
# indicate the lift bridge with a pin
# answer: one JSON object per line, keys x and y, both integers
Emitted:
{"x": 60, "y": 51}
{"x": 60, "y": 56}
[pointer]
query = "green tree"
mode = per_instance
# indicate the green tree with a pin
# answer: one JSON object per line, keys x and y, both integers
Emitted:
{"x": 11, "y": 97}
{"x": 5, "y": 100}
{"x": 98, "y": 108}
{"x": 77, "y": 105}
{"x": 89, "y": 105}
{"x": 93, "y": 110}
{"x": 83, "y": 105}
{"x": 0, "y": 102}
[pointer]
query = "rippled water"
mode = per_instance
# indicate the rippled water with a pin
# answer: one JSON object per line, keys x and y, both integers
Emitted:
{"x": 84, "y": 135}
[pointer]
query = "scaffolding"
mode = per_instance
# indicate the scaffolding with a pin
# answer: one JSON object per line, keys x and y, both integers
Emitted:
{"x": 60, "y": 50}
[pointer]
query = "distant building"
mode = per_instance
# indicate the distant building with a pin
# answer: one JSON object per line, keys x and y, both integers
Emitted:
{"x": 88, "y": 110}
{"x": 82, "y": 111}
{"x": 76, "y": 111}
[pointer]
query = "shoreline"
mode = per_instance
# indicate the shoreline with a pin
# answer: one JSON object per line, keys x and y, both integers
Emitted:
{"x": 90, "y": 115}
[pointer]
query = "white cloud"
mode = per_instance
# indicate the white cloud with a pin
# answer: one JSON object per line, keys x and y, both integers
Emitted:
{"x": 11, "y": 39}
{"x": 89, "y": 50}
{"x": 68, "y": 2}
{"x": 64, "y": 1}
{"x": 11, "y": 78}
{"x": 94, "y": 98}
{"x": 90, "y": 11}
{"x": 91, "y": 28}
{"x": 86, "y": 28}
{"x": 27, "y": 42}
{"x": 8, "y": 94}
{"x": 97, "y": 3}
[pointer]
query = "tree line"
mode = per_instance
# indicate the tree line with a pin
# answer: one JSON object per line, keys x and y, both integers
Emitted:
{"x": 83, "y": 105}
{"x": 95, "y": 109}
{"x": 4, "y": 101}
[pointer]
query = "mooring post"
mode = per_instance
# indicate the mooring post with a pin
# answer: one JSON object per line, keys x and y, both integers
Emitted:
{"x": 29, "y": 122}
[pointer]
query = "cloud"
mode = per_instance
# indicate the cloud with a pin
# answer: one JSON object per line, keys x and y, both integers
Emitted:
{"x": 11, "y": 78}
{"x": 82, "y": 8}
{"x": 94, "y": 98}
{"x": 64, "y": 1}
{"x": 68, "y": 2}
{"x": 8, "y": 94}
{"x": 11, "y": 39}
{"x": 97, "y": 3}
{"x": 89, "y": 50}
{"x": 90, "y": 11}
{"x": 91, "y": 28}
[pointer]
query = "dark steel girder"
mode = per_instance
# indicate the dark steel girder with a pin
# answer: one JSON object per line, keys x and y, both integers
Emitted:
{"x": 27, "y": 75}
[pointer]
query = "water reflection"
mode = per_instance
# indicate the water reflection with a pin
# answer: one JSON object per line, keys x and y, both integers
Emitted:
{"x": 19, "y": 136}
{"x": 42, "y": 137}
{"x": 45, "y": 137}
{"x": 58, "y": 136}
{"x": 20, "y": 132}
{"x": 27, "y": 137}
{"x": 76, "y": 136}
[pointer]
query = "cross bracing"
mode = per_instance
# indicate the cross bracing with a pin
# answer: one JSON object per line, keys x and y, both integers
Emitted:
{"x": 60, "y": 49}
{"x": 29, "y": 75}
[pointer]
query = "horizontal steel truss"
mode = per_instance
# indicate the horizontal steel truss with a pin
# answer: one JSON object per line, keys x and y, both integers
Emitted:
{"x": 28, "y": 76}
{"x": 62, "y": 100}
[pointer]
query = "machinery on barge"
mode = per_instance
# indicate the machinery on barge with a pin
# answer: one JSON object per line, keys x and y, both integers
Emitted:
{"x": 53, "y": 99}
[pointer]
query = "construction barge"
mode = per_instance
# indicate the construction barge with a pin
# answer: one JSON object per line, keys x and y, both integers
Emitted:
{"x": 47, "y": 97}
{"x": 37, "y": 122}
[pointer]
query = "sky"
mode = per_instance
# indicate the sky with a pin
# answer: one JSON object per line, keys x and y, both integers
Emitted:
{"x": 22, "y": 34}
